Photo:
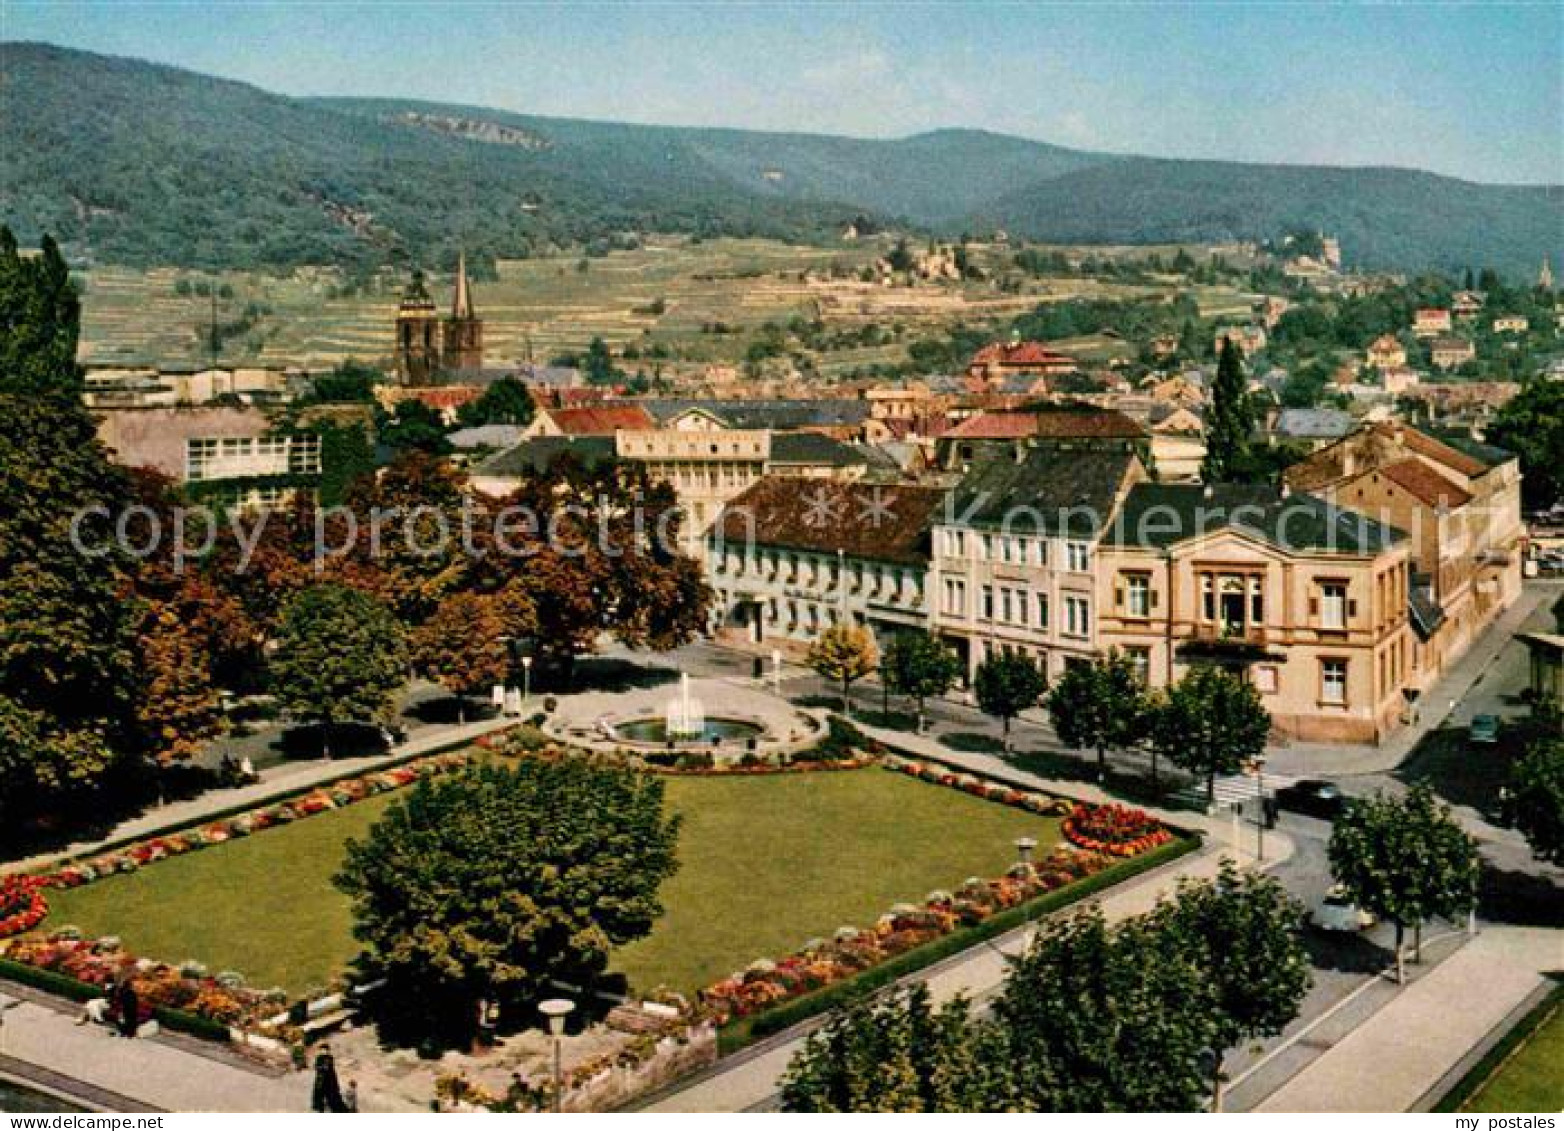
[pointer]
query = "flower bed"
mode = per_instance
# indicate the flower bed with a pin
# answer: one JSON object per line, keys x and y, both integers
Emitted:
{"x": 336, "y": 795}
{"x": 821, "y": 963}
{"x": 186, "y": 990}
{"x": 22, "y": 905}
{"x": 842, "y": 749}
{"x": 221, "y": 1001}
{"x": 936, "y": 774}
{"x": 851, "y": 951}
{"x": 1114, "y": 830}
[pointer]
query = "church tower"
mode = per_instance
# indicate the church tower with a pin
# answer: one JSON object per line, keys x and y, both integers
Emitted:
{"x": 463, "y": 330}
{"x": 417, "y": 351}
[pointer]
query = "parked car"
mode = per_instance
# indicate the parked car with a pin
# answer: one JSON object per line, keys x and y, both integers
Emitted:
{"x": 1313, "y": 798}
{"x": 1336, "y": 912}
{"x": 1485, "y": 729}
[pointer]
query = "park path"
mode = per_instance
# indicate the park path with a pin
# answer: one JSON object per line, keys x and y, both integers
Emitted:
{"x": 751, "y": 1078}
{"x": 1396, "y": 1059}
{"x": 150, "y": 1072}
{"x": 274, "y": 781}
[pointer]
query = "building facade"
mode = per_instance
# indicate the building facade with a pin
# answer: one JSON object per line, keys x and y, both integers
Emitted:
{"x": 1309, "y": 601}
{"x": 788, "y": 561}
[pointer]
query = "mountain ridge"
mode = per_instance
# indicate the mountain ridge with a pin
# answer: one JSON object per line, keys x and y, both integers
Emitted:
{"x": 141, "y": 163}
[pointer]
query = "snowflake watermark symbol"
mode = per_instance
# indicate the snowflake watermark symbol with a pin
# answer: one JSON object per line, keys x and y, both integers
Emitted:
{"x": 876, "y": 509}
{"x": 820, "y": 509}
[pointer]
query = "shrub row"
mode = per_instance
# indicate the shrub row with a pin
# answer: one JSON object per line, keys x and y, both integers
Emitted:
{"x": 746, "y": 1030}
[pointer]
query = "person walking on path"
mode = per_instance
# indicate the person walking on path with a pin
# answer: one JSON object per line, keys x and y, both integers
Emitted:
{"x": 128, "y": 1006}
{"x": 327, "y": 1093}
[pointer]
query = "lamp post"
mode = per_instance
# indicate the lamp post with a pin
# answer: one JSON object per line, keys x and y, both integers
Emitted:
{"x": 776, "y": 671}
{"x": 1025, "y": 846}
{"x": 526, "y": 679}
{"x": 556, "y": 1009}
{"x": 1259, "y": 817}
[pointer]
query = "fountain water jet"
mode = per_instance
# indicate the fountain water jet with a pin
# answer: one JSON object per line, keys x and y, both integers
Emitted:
{"x": 685, "y": 716}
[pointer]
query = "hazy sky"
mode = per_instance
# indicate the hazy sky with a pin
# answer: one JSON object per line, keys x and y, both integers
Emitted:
{"x": 1473, "y": 90}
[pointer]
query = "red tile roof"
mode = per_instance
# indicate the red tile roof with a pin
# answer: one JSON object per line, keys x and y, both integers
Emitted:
{"x": 1425, "y": 483}
{"x": 601, "y": 419}
{"x": 866, "y": 521}
{"x": 1019, "y": 355}
{"x": 996, "y": 426}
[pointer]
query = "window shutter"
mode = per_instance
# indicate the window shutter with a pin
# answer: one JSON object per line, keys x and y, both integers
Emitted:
{"x": 1314, "y": 606}
{"x": 1154, "y": 596}
{"x": 1352, "y": 608}
{"x": 1118, "y": 597}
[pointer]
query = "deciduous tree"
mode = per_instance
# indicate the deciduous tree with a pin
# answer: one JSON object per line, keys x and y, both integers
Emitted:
{"x": 463, "y": 647}
{"x": 843, "y": 653}
{"x": 487, "y": 885}
{"x": 1405, "y": 859}
{"x": 1210, "y": 722}
{"x": 506, "y": 401}
{"x": 1242, "y": 928}
{"x": 1100, "y": 705}
{"x": 920, "y": 666}
{"x": 1107, "y": 1019}
{"x": 1535, "y": 799}
{"x": 340, "y": 656}
{"x": 1006, "y": 684}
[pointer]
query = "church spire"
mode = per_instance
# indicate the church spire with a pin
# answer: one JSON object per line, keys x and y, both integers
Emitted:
{"x": 1545, "y": 276}
{"x": 461, "y": 305}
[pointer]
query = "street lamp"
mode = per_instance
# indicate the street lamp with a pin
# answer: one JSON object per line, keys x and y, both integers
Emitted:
{"x": 526, "y": 679}
{"x": 1025, "y": 846}
{"x": 556, "y": 1009}
{"x": 1259, "y": 819}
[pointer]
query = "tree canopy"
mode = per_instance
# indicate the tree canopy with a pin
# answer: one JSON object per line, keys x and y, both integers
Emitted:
{"x": 486, "y": 885}
{"x": 1535, "y": 801}
{"x": 843, "y": 653}
{"x": 340, "y": 656}
{"x": 1006, "y": 684}
{"x": 1210, "y": 722}
{"x": 1100, "y": 705}
{"x": 920, "y": 666}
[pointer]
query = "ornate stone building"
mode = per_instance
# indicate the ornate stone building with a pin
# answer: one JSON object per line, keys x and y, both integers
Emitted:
{"x": 422, "y": 354}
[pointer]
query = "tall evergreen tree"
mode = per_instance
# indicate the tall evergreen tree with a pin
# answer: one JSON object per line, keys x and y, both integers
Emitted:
{"x": 1229, "y": 421}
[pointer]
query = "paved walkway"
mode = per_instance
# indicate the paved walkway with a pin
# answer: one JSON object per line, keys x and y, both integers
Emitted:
{"x": 153, "y": 1073}
{"x": 274, "y": 781}
{"x": 1393, "y": 1059}
{"x": 752, "y": 1078}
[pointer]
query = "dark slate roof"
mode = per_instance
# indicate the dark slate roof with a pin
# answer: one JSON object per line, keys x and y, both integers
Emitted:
{"x": 1427, "y": 616}
{"x": 1484, "y": 453}
{"x": 539, "y": 453}
{"x": 814, "y": 447}
{"x": 871, "y": 522}
{"x": 1053, "y": 489}
{"x": 781, "y": 415}
{"x": 1158, "y": 515}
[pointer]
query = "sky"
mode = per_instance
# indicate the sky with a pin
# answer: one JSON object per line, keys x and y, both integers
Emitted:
{"x": 1472, "y": 90}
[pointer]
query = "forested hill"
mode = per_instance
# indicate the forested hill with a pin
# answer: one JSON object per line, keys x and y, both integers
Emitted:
{"x": 136, "y": 163}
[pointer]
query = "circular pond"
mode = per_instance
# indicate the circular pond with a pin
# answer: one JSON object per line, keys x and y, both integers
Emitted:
{"x": 655, "y": 731}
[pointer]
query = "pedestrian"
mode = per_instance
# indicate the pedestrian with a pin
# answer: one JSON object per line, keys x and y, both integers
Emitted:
{"x": 327, "y": 1092}
{"x": 350, "y": 1097}
{"x": 129, "y": 1007}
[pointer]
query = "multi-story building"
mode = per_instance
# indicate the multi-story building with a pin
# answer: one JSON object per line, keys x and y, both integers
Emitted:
{"x": 705, "y": 468}
{"x": 1461, "y": 510}
{"x": 789, "y": 560}
{"x": 1308, "y": 599}
{"x": 1447, "y": 353}
{"x": 1385, "y": 352}
{"x": 1430, "y": 321}
{"x": 236, "y": 456}
{"x": 1014, "y": 552}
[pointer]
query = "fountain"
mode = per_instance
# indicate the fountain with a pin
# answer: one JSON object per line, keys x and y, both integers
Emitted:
{"x": 685, "y": 716}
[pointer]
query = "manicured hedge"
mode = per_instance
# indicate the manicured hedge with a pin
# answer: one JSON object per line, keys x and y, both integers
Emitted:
{"x": 52, "y": 982}
{"x": 746, "y": 1030}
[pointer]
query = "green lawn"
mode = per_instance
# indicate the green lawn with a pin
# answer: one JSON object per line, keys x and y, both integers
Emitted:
{"x": 767, "y": 862}
{"x": 1532, "y": 1077}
